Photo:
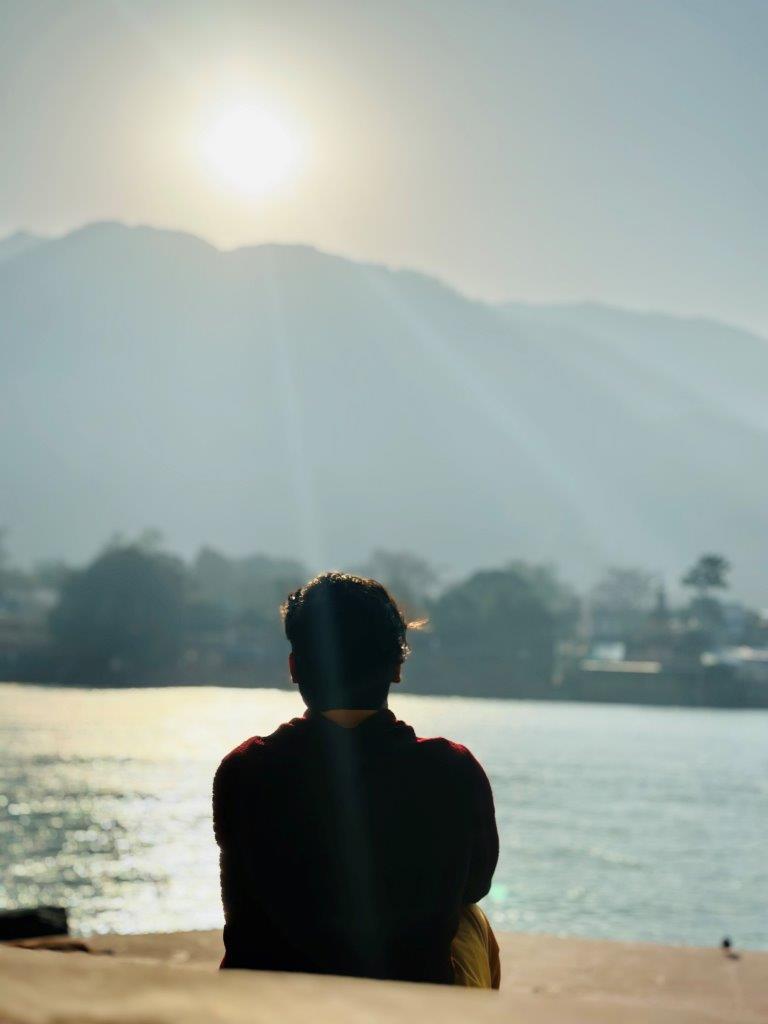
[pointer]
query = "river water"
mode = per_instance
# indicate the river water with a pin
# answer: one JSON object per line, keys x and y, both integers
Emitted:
{"x": 616, "y": 821}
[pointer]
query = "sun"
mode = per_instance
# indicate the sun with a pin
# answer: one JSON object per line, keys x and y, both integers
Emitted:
{"x": 251, "y": 149}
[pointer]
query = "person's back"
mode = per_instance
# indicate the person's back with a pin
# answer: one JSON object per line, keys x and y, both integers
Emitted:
{"x": 350, "y": 848}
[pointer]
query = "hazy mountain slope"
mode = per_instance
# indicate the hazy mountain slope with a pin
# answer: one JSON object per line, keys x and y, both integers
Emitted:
{"x": 685, "y": 453}
{"x": 17, "y": 243}
{"x": 715, "y": 363}
{"x": 281, "y": 399}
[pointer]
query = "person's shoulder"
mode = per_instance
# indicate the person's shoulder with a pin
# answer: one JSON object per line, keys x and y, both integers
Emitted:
{"x": 451, "y": 764}
{"x": 457, "y": 765}
{"x": 255, "y": 748}
{"x": 447, "y": 752}
{"x": 244, "y": 751}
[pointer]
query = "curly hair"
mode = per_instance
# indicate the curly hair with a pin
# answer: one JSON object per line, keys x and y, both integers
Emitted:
{"x": 348, "y": 638}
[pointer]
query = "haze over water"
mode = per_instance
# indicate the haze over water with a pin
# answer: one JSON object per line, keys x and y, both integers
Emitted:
{"x": 621, "y": 822}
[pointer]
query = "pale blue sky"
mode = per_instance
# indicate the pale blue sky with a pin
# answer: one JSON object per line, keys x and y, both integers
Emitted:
{"x": 545, "y": 150}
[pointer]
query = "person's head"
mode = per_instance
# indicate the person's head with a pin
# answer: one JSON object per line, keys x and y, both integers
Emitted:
{"x": 347, "y": 639}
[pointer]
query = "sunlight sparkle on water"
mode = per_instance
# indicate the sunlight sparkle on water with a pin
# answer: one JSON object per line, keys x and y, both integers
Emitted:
{"x": 616, "y": 822}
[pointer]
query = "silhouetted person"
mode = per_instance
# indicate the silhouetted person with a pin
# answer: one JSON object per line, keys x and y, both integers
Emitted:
{"x": 349, "y": 845}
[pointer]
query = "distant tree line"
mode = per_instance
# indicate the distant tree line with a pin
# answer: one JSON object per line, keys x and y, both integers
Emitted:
{"x": 138, "y": 615}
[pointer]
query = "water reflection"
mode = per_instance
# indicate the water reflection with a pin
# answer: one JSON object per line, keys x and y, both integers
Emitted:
{"x": 616, "y": 821}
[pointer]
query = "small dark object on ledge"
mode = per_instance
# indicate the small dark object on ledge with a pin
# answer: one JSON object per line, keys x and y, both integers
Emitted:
{"x": 32, "y": 923}
{"x": 727, "y": 947}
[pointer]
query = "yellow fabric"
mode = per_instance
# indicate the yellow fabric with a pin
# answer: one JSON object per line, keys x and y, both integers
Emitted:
{"x": 475, "y": 951}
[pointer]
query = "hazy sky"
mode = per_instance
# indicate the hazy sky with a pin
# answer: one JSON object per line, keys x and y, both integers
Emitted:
{"x": 539, "y": 150}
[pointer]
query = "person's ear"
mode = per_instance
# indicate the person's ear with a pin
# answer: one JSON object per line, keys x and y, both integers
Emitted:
{"x": 292, "y": 668}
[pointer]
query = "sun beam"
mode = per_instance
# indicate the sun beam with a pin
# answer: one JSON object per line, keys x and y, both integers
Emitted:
{"x": 251, "y": 149}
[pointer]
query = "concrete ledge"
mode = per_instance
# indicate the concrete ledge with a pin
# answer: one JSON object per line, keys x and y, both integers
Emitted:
{"x": 169, "y": 979}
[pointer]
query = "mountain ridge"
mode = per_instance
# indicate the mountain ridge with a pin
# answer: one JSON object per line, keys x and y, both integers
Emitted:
{"x": 555, "y": 307}
{"x": 280, "y": 398}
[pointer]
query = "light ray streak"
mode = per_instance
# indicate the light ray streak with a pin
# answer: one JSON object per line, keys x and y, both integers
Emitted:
{"x": 294, "y": 426}
{"x": 596, "y": 514}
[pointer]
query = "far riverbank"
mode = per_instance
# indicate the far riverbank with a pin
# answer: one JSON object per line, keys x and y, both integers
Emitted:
{"x": 604, "y": 685}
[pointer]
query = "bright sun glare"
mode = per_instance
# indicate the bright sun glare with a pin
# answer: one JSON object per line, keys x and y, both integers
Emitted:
{"x": 251, "y": 149}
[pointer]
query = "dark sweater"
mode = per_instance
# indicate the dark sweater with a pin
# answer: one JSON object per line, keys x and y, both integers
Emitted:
{"x": 350, "y": 851}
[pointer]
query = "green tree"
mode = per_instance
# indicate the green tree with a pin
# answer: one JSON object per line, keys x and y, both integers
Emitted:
{"x": 51, "y": 573}
{"x": 252, "y": 583}
{"x": 494, "y": 632}
{"x": 627, "y": 589}
{"x": 558, "y": 598}
{"x": 120, "y": 619}
{"x": 710, "y": 572}
{"x": 706, "y": 626}
{"x": 4, "y": 563}
{"x": 242, "y": 595}
{"x": 12, "y": 580}
{"x": 621, "y": 602}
